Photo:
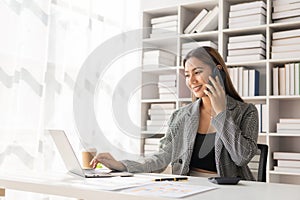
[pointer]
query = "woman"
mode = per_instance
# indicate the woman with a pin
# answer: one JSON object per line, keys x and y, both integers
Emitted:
{"x": 216, "y": 135}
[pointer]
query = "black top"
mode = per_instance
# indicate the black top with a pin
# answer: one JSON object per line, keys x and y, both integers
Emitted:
{"x": 203, "y": 156}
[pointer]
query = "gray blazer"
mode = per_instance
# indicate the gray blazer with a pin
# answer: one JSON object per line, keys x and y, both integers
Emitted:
{"x": 235, "y": 141}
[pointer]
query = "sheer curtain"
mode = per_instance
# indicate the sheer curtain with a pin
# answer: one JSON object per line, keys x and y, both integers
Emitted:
{"x": 43, "y": 44}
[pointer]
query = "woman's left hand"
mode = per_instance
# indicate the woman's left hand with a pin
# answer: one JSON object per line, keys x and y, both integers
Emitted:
{"x": 216, "y": 94}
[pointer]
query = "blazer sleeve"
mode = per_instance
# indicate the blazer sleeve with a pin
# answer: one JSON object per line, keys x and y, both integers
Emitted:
{"x": 158, "y": 161}
{"x": 238, "y": 131}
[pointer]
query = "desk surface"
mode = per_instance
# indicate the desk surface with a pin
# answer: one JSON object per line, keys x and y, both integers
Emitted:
{"x": 63, "y": 185}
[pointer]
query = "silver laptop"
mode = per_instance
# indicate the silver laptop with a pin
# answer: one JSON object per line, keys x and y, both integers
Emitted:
{"x": 72, "y": 164}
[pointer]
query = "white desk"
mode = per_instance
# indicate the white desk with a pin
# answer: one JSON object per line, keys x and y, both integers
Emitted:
{"x": 62, "y": 185}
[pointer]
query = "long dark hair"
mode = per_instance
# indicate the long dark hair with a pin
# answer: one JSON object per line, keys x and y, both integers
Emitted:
{"x": 211, "y": 57}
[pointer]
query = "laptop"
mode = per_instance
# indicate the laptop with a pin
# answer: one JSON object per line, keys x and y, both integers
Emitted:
{"x": 71, "y": 162}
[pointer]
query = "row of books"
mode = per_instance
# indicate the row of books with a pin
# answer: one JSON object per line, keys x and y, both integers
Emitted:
{"x": 158, "y": 58}
{"x": 287, "y": 162}
{"x": 286, "y": 44}
{"x": 286, "y": 11}
{"x": 247, "y": 14}
{"x": 246, "y": 48}
{"x": 286, "y": 79}
{"x": 289, "y": 126}
{"x": 164, "y": 26}
{"x": 167, "y": 86}
{"x": 204, "y": 21}
{"x": 245, "y": 81}
{"x": 186, "y": 47}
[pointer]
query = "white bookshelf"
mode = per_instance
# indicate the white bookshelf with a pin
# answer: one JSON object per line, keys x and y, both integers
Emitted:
{"x": 277, "y": 106}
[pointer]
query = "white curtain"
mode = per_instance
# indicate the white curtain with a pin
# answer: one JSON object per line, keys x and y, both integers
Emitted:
{"x": 43, "y": 44}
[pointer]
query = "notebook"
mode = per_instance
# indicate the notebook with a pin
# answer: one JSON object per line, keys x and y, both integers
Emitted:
{"x": 71, "y": 162}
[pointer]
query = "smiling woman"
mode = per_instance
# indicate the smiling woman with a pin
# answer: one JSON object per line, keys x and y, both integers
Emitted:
{"x": 213, "y": 136}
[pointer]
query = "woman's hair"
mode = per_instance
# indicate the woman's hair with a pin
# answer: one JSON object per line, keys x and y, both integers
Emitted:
{"x": 212, "y": 58}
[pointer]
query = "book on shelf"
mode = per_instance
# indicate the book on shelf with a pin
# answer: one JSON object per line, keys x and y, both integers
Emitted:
{"x": 167, "y": 96}
{"x": 164, "y": 30}
{"x": 241, "y": 78}
{"x": 286, "y": 34}
{"x": 163, "y": 90}
{"x": 282, "y": 81}
{"x": 248, "y": 44}
{"x": 259, "y": 112}
{"x": 195, "y": 21}
{"x": 289, "y": 120}
{"x": 150, "y": 147}
{"x": 247, "y": 38}
{"x": 253, "y": 82}
{"x": 248, "y": 5}
{"x": 287, "y": 79}
{"x": 245, "y": 58}
{"x": 264, "y": 117}
{"x": 246, "y": 24}
{"x": 286, "y": 14}
{"x": 165, "y": 24}
{"x": 285, "y": 20}
{"x": 159, "y": 53}
{"x": 169, "y": 77}
{"x": 285, "y": 48}
{"x": 251, "y": 11}
{"x": 291, "y": 131}
{"x": 247, "y": 18}
{"x": 209, "y": 22}
{"x": 288, "y": 126}
{"x": 284, "y": 2}
{"x": 255, "y": 158}
{"x": 156, "y": 122}
{"x": 191, "y": 45}
{"x": 163, "y": 35}
{"x": 157, "y": 129}
{"x": 160, "y": 117}
{"x": 250, "y": 51}
{"x": 155, "y": 141}
{"x": 160, "y": 106}
{"x": 160, "y": 112}
{"x": 297, "y": 78}
{"x": 167, "y": 18}
{"x": 246, "y": 83}
{"x": 288, "y": 163}
{"x": 292, "y": 78}
{"x": 276, "y": 81}
{"x": 283, "y": 55}
{"x": 167, "y": 83}
{"x": 286, "y": 41}
{"x": 158, "y": 61}
{"x": 286, "y": 156}
{"x": 287, "y": 169}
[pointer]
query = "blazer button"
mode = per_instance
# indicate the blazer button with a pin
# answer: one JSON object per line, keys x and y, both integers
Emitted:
{"x": 180, "y": 161}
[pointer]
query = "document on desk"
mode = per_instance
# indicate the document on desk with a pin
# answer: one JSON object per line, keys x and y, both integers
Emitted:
{"x": 168, "y": 189}
{"x": 113, "y": 183}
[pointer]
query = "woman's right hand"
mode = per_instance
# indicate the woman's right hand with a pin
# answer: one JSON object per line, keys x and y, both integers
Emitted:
{"x": 108, "y": 161}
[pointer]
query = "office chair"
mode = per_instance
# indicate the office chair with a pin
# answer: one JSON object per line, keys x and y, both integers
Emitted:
{"x": 258, "y": 164}
{"x": 262, "y": 169}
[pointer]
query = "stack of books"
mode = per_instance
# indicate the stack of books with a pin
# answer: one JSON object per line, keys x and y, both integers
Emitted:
{"x": 245, "y": 81}
{"x": 247, "y": 14}
{"x": 286, "y": 44}
{"x": 246, "y": 48}
{"x": 204, "y": 21}
{"x": 289, "y": 126}
{"x": 159, "y": 115}
{"x": 187, "y": 47}
{"x": 254, "y": 165}
{"x": 158, "y": 58}
{"x": 167, "y": 86}
{"x": 151, "y": 146}
{"x": 164, "y": 26}
{"x": 286, "y": 11}
{"x": 288, "y": 162}
{"x": 286, "y": 80}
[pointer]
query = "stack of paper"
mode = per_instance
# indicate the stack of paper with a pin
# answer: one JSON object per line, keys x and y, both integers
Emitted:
{"x": 164, "y": 26}
{"x": 286, "y": 44}
{"x": 286, "y": 11}
{"x": 246, "y": 48}
{"x": 247, "y": 14}
{"x": 158, "y": 58}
